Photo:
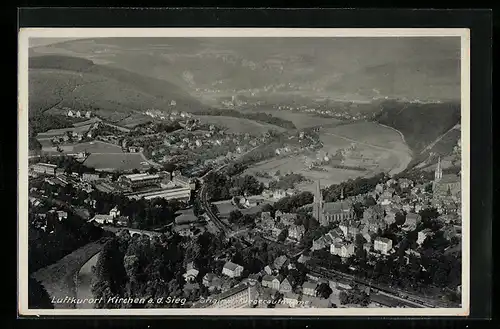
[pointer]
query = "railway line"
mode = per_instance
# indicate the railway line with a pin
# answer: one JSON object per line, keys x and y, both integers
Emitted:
{"x": 394, "y": 293}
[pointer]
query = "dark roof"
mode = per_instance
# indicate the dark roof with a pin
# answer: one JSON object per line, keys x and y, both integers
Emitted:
{"x": 231, "y": 266}
{"x": 268, "y": 278}
{"x": 449, "y": 178}
{"x": 308, "y": 284}
{"x": 335, "y": 207}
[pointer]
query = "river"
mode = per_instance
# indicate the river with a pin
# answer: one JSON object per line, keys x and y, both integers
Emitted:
{"x": 84, "y": 282}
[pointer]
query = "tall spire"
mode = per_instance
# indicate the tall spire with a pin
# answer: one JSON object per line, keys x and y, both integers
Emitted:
{"x": 318, "y": 203}
{"x": 438, "y": 174}
{"x": 342, "y": 193}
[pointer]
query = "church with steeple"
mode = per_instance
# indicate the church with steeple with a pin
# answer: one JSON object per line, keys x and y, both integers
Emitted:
{"x": 445, "y": 185}
{"x": 331, "y": 212}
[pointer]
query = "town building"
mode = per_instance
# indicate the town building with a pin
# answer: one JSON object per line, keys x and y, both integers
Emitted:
{"x": 335, "y": 212}
{"x": 191, "y": 272}
{"x": 296, "y": 232}
{"x": 149, "y": 186}
{"x": 271, "y": 282}
{"x": 285, "y": 286}
{"x": 134, "y": 181}
{"x": 350, "y": 229}
{"x": 383, "y": 245}
{"x": 90, "y": 177}
{"x": 280, "y": 261}
{"x": 334, "y": 236}
{"x": 43, "y": 168}
{"x": 309, "y": 288}
{"x": 232, "y": 270}
{"x": 405, "y": 183}
{"x": 286, "y": 218}
{"x": 114, "y": 212}
{"x": 411, "y": 222}
{"x": 102, "y": 219}
{"x": 344, "y": 250}
{"x": 445, "y": 185}
{"x": 62, "y": 215}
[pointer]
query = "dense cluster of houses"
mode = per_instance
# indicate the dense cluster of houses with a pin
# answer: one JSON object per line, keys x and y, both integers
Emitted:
{"x": 273, "y": 226}
{"x": 395, "y": 198}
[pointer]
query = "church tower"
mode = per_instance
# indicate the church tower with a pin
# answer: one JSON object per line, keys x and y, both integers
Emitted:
{"x": 318, "y": 204}
{"x": 438, "y": 173}
{"x": 342, "y": 194}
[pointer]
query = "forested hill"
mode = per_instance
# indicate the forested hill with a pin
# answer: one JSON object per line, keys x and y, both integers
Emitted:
{"x": 56, "y": 80}
{"x": 420, "y": 123}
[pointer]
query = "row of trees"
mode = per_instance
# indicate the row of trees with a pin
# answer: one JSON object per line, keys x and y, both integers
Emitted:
{"x": 50, "y": 239}
{"x": 142, "y": 213}
{"x": 139, "y": 266}
{"x": 256, "y": 116}
{"x": 287, "y": 182}
{"x": 353, "y": 187}
{"x": 294, "y": 202}
{"x": 222, "y": 187}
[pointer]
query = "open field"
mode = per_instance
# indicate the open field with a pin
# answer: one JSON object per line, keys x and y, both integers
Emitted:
{"x": 297, "y": 165}
{"x": 58, "y": 132}
{"x": 370, "y": 133}
{"x": 384, "y": 145}
{"x": 97, "y": 147}
{"x": 117, "y": 161}
{"x": 377, "y": 149}
{"x": 59, "y": 278}
{"x": 239, "y": 125}
{"x": 134, "y": 120}
{"x": 91, "y": 147}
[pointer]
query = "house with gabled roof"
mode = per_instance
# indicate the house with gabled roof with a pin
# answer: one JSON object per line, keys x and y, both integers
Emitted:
{"x": 232, "y": 270}
{"x": 285, "y": 286}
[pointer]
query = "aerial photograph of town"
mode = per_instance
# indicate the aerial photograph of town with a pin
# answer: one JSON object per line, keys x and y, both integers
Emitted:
{"x": 263, "y": 172}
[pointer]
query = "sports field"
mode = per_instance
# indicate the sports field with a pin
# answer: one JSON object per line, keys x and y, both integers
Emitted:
{"x": 117, "y": 161}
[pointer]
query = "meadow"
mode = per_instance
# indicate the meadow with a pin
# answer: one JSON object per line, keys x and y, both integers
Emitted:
{"x": 379, "y": 149}
{"x": 117, "y": 162}
{"x": 134, "y": 120}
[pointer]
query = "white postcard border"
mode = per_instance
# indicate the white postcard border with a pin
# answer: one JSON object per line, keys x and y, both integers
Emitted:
{"x": 26, "y": 33}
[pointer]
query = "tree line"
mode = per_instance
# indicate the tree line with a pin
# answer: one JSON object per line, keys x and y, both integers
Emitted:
{"x": 255, "y": 116}
{"x": 221, "y": 186}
